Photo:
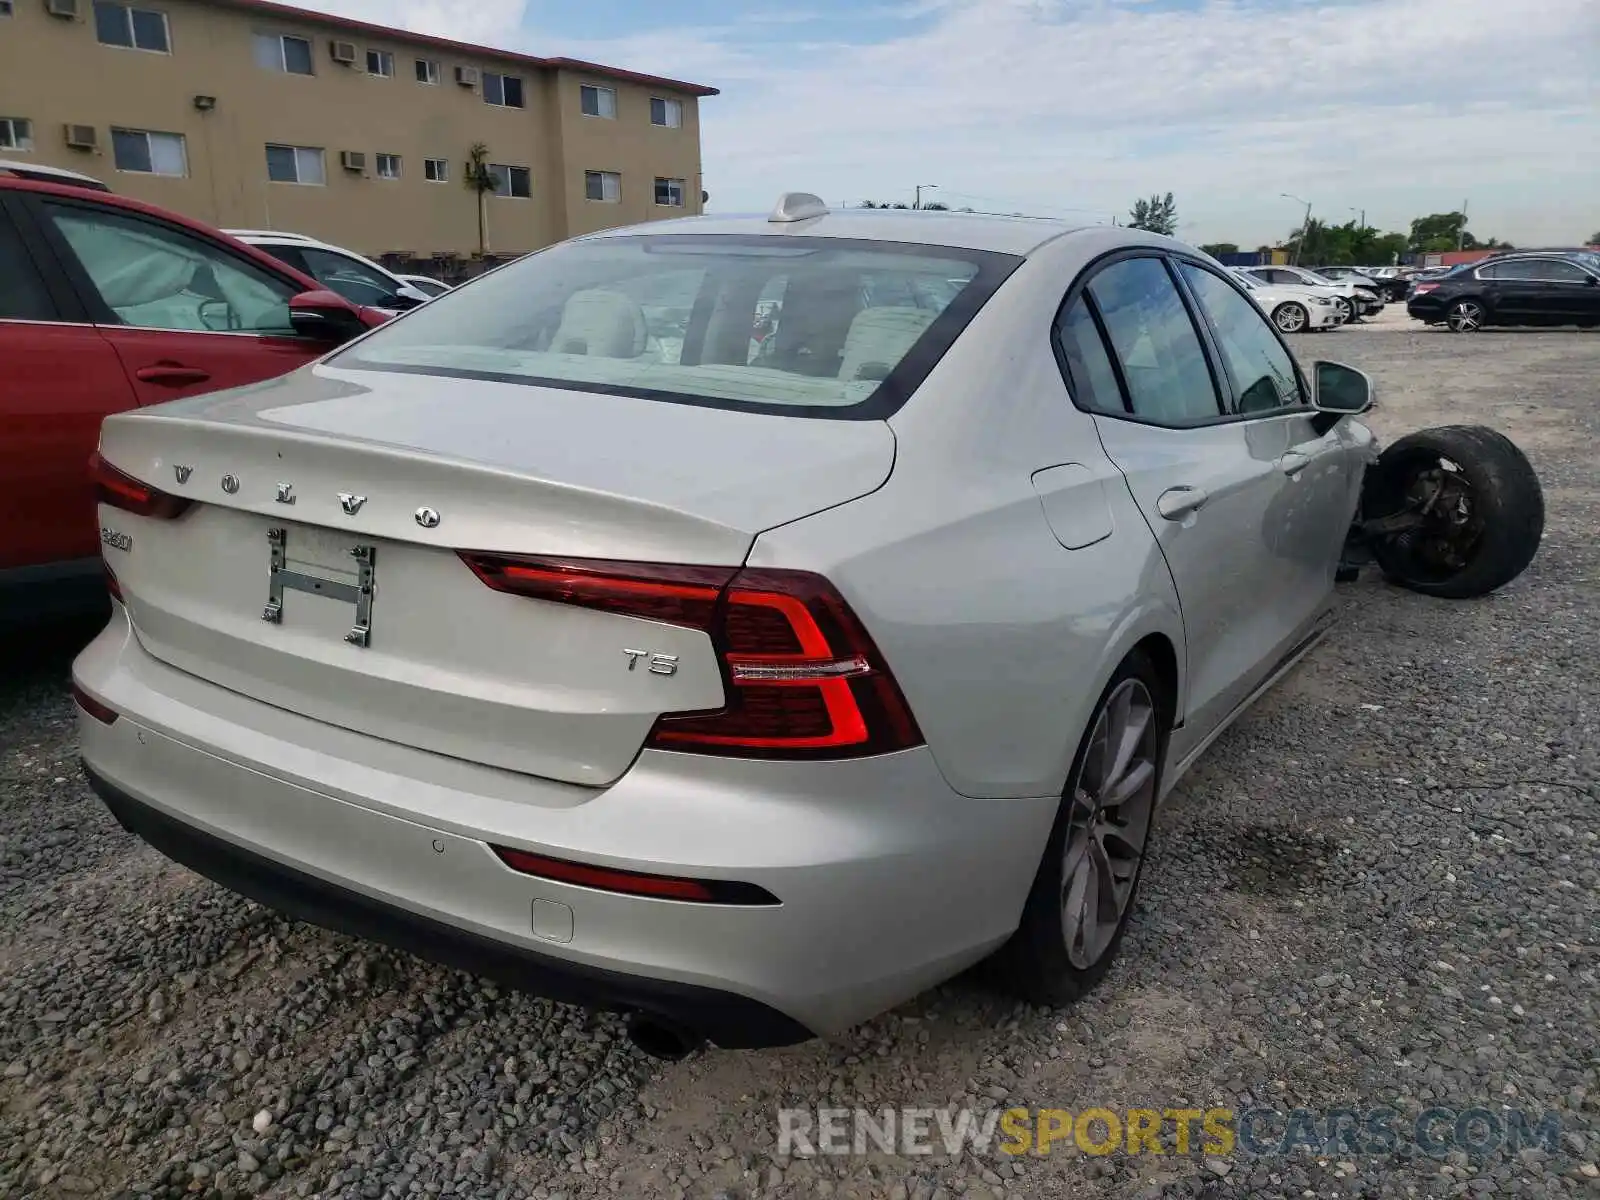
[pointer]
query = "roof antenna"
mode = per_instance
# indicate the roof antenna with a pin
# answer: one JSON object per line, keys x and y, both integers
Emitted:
{"x": 797, "y": 206}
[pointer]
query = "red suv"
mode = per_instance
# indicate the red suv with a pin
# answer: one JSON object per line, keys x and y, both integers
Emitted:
{"x": 107, "y": 304}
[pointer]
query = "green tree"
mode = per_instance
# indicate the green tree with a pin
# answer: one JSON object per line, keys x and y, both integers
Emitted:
{"x": 1594, "y": 239}
{"x": 480, "y": 181}
{"x": 1218, "y": 249}
{"x": 1159, "y": 214}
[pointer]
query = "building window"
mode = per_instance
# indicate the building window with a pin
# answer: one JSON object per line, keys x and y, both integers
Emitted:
{"x": 597, "y": 101}
{"x": 149, "y": 153}
{"x": 5, "y": 8}
{"x": 279, "y": 52}
{"x": 388, "y": 166}
{"x": 427, "y": 71}
{"x": 669, "y": 192}
{"x": 602, "y": 185}
{"x": 514, "y": 182}
{"x": 668, "y": 113}
{"x": 380, "y": 63}
{"x": 504, "y": 90}
{"x": 295, "y": 164}
{"x": 436, "y": 170}
{"x": 132, "y": 28}
{"x": 16, "y": 133}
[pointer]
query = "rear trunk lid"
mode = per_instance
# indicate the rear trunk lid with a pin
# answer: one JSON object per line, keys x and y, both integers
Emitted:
{"x": 310, "y": 488}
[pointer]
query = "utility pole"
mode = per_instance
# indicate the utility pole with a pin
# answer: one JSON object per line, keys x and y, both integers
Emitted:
{"x": 1305, "y": 227}
{"x": 1461, "y": 231}
{"x": 917, "y": 203}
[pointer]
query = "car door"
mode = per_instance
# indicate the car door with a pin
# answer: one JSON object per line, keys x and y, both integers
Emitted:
{"x": 1213, "y": 484}
{"x": 184, "y": 313}
{"x": 58, "y": 380}
{"x": 1566, "y": 293}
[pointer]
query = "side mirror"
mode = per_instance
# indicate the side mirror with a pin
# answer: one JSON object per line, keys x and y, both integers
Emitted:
{"x": 325, "y": 316}
{"x": 1341, "y": 390}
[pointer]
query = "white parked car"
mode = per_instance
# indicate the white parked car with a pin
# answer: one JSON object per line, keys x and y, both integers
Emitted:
{"x": 425, "y": 284}
{"x": 1294, "y": 309}
{"x": 753, "y": 697}
{"x": 1357, "y": 301}
{"x": 357, "y": 279}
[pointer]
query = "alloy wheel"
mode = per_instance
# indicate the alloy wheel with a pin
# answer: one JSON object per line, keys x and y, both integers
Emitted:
{"x": 1112, "y": 799}
{"x": 1347, "y": 311}
{"x": 1290, "y": 318}
{"x": 1465, "y": 316}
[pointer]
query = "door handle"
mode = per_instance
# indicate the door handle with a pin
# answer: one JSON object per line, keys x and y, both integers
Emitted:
{"x": 1293, "y": 462}
{"x": 1177, "y": 503}
{"x": 171, "y": 373}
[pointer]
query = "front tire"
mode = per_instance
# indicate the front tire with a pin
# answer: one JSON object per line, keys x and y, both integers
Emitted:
{"x": 1481, "y": 505}
{"x": 1465, "y": 316}
{"x": 1290, "y": 317}
{"x": 1347, "y": 312}
{"x": 1083, "y": 894}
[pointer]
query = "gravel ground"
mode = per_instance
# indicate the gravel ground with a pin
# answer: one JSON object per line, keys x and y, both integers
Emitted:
{"x": 1381, "y": 888}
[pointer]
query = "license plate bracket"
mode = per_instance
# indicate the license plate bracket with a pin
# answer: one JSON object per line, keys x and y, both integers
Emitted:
{"x": 282, "y": 578}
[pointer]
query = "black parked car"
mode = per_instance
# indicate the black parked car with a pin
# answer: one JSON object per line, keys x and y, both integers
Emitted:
{"x": 1512, "y": 289}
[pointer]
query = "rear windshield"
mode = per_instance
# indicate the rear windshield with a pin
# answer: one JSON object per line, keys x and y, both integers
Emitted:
{"x": 805, "y": 326}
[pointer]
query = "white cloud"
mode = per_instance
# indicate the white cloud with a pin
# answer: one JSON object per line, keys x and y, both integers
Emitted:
{"x": 1399, "y": 107}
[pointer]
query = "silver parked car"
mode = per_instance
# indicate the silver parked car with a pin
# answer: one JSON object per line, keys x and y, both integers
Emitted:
{"x": 561, "y": 630}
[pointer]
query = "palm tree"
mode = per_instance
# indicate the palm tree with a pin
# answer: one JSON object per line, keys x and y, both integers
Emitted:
{"x": 480, "y": 180}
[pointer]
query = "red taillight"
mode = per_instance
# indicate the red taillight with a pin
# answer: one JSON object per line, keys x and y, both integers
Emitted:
{"x": 634, "y": 883}
{"x": 100, "y": 712}
{"x": 1418, "y": 288}
{"x": 804, "y": 678}
{"x": 123, "y": 491}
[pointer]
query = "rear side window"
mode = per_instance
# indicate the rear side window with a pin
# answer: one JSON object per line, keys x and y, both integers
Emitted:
{"x": 1156, "y": 344}
{"x": 1263, "y": 374}
{"x": 22, "y": 292}
{"x": 802, "y": 326}
{"x": 1094, "y": 379}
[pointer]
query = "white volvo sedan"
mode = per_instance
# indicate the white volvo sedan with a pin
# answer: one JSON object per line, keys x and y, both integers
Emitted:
{"x": 563, "y": 630}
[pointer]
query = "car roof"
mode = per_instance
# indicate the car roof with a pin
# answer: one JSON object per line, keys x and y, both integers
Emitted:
{"x": 931, "y": 227}
{"x": 276, "y": 235}
{"x": 43, "y": 174}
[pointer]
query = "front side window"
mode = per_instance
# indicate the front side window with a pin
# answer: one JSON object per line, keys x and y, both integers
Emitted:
{"x": 512, "y": 182}
{"x": 668, "y": 113}
{"x": 1263, "y": 371}
{"x": 1155, "y": 342}
{"x": 131, "y": 28}
{"x": 152, "y": 276}
{"x": 602, "y": 185}
{"x": 16, "y": 133}
{"x": 380, "y": 63}
{"x": 669, "y": 192}
{"x": 427, "y": 71}
{"x": 279, "y": 52}
{"x": 1093, "y": 378}
{"x": 790, "y": 323}
{"x": 296, "y": 164}
{"x": 388, "y": 166}
{"x": 436, "y": 170}
{"x": 503, "y": 90}
{"x": 350, "y": 277}
{"x": 149, "y": 153}
{"x": 597, "y": 101}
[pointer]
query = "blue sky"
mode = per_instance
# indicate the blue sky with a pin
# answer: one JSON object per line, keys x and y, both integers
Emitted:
{"x": 1076, "y": 107}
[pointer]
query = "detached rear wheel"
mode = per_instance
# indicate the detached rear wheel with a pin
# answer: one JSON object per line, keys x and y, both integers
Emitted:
{"x": 1083, "y": 894}
{"x": 1467, "y": 508}
{"x": 1290, "y": 317}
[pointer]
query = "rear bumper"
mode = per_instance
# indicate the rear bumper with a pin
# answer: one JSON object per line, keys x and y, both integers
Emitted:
{"x": 736, "y": 1022}
{"x": 888, "y": 881}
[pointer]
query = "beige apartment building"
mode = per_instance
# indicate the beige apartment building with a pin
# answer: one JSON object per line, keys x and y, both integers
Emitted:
{"x": 249, "y": 114}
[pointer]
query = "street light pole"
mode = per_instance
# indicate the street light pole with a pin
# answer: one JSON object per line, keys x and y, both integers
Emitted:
{"x": 917, "y": 203}
{"x": 1305, "y": 226}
